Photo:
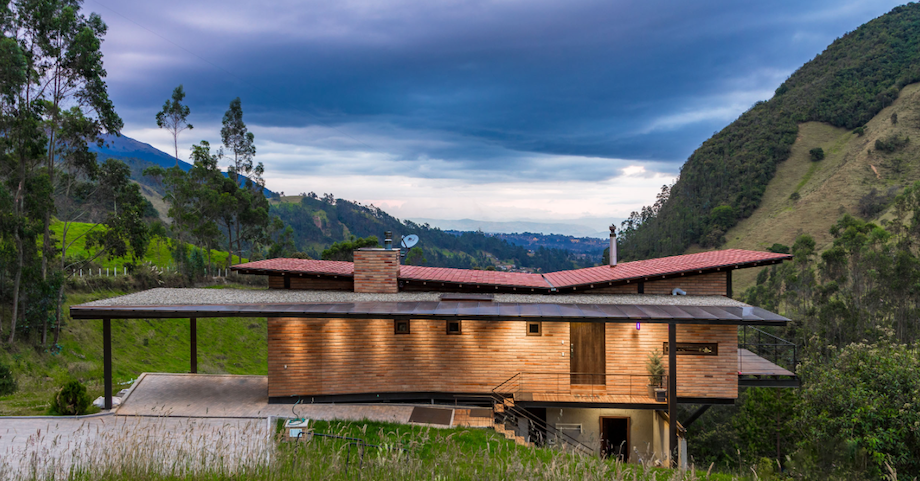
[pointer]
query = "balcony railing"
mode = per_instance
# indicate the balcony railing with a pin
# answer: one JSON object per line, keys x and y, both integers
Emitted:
{"x": 768, "y": 346}
{"x": 585, "y": 387}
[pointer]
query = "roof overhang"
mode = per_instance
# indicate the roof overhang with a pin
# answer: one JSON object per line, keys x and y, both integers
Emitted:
{"x": 449, "y": 310}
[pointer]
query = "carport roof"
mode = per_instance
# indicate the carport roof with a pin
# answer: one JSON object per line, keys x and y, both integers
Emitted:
{"x": 509, "y": 307}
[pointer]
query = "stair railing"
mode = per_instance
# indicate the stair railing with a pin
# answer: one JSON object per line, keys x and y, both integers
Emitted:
{"x": 535, "y": 425}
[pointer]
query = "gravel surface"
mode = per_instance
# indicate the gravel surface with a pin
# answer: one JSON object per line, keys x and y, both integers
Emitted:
{"x": 189, "y": 296}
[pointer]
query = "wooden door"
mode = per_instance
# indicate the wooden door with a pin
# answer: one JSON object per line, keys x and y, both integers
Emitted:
{"x": 588, "y": 360}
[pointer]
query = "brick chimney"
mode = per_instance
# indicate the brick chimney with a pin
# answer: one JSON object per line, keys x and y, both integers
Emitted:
{"x": 377, "y": 270}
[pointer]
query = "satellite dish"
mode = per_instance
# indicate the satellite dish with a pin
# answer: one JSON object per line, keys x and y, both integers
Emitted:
{"x": 409, "y": 241}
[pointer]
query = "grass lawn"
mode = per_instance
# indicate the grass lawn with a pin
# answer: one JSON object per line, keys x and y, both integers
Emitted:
{"x": 158, "y": 252}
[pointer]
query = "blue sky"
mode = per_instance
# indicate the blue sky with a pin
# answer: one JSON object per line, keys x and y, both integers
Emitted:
{"x": 566, "y": 111}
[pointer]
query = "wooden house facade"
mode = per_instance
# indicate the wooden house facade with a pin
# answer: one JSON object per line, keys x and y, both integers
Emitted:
{"x": 562, "y": 355}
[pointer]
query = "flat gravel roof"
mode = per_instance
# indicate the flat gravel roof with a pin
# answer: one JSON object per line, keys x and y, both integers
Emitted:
{"x": 203, "y": 303}
{"x": 191, "y": 296}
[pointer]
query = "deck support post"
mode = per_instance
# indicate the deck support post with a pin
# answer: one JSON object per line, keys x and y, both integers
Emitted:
{"x": 107, "y": 361}
{"x": 193, "y": 342}
{"x": 672, "y": 393}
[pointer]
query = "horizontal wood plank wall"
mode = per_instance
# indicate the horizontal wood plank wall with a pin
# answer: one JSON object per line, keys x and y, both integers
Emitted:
{"x": 709, "y": 284}
{"x": 697, "y": 376}
{"x": 632, "y": 288}
{"x": 328, "y": 357}
{"x": 366, "y": 356}
{"x": 340, "y": 284}
{"x": 313, "y": 282}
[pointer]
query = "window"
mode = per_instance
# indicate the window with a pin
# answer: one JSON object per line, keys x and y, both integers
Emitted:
{"x": 401, "y": 326}
{"x": 534, "y": 328}
{"x": 453, "y": 327}
{"x": 695, "y": 348}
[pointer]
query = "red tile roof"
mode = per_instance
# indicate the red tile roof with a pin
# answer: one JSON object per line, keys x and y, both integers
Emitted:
{"x": 702, "y": 261}
{"x": 305, "y": 266}
{"x": 661, "y": 266}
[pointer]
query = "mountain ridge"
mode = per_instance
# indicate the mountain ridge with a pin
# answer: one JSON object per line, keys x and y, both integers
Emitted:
{"x": 724, "y": 180}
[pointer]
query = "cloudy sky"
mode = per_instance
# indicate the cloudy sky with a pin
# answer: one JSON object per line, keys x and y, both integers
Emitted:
{"x": 558, "y": 111}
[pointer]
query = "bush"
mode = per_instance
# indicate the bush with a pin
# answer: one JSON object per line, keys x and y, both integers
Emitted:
{"x": 794, "y": 196}
{"x": 816, "y": 154}
{"x": 857, "y": 410}
{"x": 874, "y": 203}
{"x": 859, "y": 131}
{"x": 891, "y": 143}
{"x": 7, "y": 381}
{"x": 779, "y": 248}
{"x": 71, "y": 399}
{"x": 894, "y": 118}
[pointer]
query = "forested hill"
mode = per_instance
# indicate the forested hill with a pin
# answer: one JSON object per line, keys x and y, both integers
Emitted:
{"x": 318, "y": 222}
{"x": 724, "y": 180}
{"x": 139, "y": 156}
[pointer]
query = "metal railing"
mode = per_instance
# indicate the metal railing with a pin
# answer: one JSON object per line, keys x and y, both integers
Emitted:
{"x": 627, "y": 387}
{"x": 775, "y": 349}
{"x": 638, "y": 388}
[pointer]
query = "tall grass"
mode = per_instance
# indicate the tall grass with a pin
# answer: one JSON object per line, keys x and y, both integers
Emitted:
{"x": 167, "y": 449}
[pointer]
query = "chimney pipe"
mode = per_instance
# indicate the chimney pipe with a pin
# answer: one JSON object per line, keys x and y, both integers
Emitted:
{"x": 613, "y": 245}
{"x": 387, "y": 240}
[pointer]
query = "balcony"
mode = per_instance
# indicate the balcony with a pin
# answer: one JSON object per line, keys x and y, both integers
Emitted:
{"x": 765, "y": 360}
{"x": 564, "y": 387}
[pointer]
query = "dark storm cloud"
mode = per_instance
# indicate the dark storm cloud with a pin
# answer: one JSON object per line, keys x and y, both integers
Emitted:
{"x": 480, "y": 89}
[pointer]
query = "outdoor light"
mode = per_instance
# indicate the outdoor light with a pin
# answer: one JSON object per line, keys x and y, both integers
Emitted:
{"x": 638, "y": 326}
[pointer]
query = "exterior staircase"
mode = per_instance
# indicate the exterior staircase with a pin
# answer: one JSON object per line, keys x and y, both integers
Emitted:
{"x": 505, "y": 413}
{"x": 500, "y": 411}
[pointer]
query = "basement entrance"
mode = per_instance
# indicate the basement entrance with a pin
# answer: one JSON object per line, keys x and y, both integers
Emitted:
{"x": 615, "y": 438}
{"x": 588, "y": 361}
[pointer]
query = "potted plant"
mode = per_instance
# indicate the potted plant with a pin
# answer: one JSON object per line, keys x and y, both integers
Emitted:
{"x": 655, "y": 369}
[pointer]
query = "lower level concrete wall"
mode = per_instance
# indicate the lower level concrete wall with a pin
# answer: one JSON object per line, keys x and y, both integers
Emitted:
{"x": 648, "y": 432}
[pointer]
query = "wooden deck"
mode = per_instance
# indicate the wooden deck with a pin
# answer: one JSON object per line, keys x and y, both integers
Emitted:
{"x": 586, "y": 398}
{"x": 750, "y": 364}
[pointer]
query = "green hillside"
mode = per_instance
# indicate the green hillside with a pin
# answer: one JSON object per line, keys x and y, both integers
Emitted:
{"x": 317, "y": 223}
{"x": 725, "y": 180}
{"x": 158, "y": 252}
{"x": 808, "y": 197}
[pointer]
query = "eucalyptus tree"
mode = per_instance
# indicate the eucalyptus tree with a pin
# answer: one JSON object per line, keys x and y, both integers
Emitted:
{"x": 174, "y": 117}
{"x": 239, "y": 142}
{"x": 61, "y": 105}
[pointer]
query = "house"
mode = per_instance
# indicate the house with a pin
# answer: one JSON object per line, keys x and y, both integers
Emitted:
{"x": 559, "y": 357}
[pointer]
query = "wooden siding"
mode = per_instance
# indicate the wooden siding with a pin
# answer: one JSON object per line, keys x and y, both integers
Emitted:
{"x": 312, "y": 283}
{"x": 335, "y": 356}
{"x": 697, "y": 376}
{"x": 709, "y": 284}
{"x": 632, "y": 288}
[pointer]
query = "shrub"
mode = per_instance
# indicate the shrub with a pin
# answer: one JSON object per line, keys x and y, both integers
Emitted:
{"x": 891, "y": 143}
{"x": 779, "y": 248}
{"x": 873, "y": 203}
{"x": 794, "y": 196}
{"x": 859, "y": 131}
{"x": 7, "y": 381}
{"x": 894, "y": 118}
{"x": 655, "y": 368}
{"x": 816, "y": 154}
{"x": 71, "y": 399}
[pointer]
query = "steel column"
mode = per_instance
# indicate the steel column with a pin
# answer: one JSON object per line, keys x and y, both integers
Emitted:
{"x": 672, "y": 392}
{"x": 107, "y": 360}
{"x": 193, "y": 341}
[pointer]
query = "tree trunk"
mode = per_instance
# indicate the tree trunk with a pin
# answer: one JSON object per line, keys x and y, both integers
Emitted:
{"x": 16, "y": 288}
